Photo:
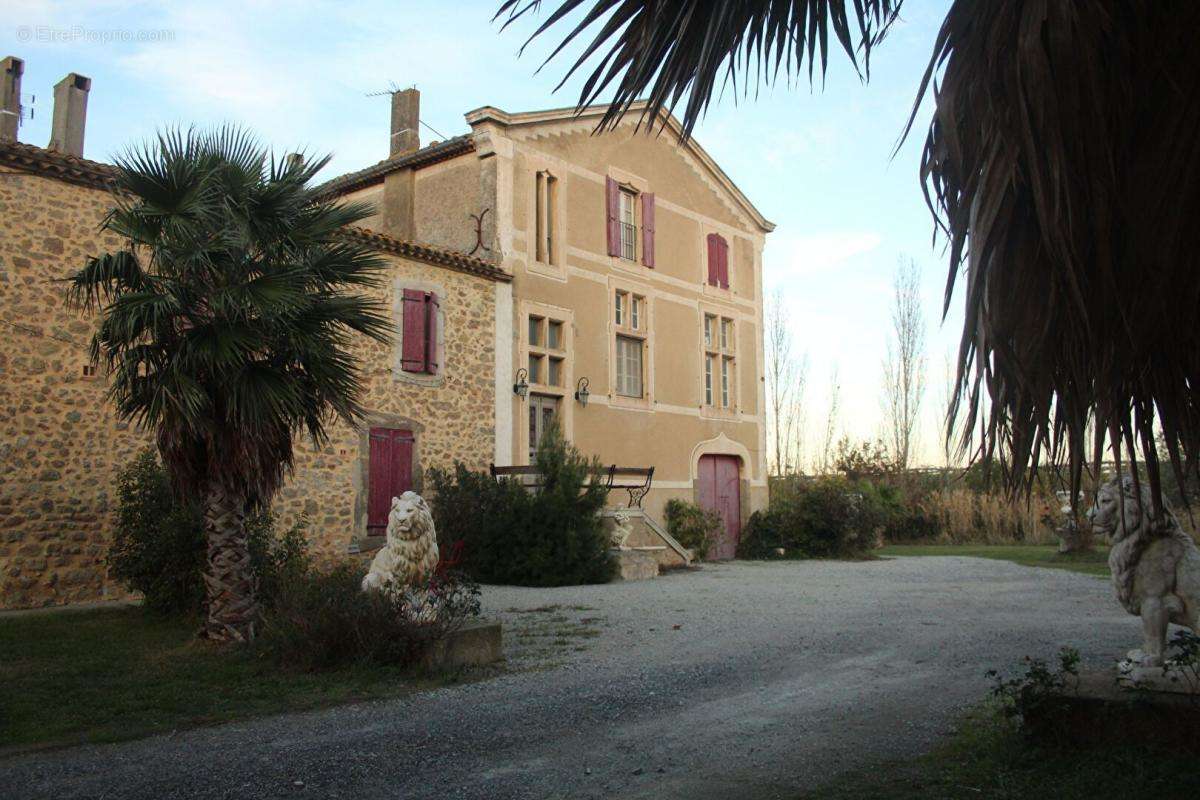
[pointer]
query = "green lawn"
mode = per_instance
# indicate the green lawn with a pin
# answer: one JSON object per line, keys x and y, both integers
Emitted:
{"x": 987, "y": 759}
{"x": 1091, "y": 563}
{"x": 70, "y": 677}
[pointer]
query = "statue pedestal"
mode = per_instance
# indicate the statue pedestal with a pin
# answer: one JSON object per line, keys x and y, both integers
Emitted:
{"x": 636, "y": 565}
{"x": 1158, "y": 679}
{"x": 1099, "y": 711}
{"x": 475, "y": 644}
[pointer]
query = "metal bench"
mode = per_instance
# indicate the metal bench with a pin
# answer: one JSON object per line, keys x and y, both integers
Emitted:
{"x": 634, "y": 480}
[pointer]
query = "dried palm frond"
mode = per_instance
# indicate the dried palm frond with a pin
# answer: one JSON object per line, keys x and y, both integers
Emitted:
{"x": 1062, "y": 163}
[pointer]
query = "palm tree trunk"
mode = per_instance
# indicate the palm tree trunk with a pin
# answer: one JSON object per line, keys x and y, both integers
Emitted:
{"x": 232, "y": 601}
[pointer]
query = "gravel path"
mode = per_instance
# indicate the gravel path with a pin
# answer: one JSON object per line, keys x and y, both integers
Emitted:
{"x": 748, "y": 680}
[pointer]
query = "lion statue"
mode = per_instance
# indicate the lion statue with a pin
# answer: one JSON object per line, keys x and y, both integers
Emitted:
{"x": 410, "y": 555}
{"x": 1155, "y": 565}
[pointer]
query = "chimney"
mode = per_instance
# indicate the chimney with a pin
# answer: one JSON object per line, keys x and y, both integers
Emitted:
{"x": 70, "y": 111}
{"x": 10, "y": 98}
{"x": 406, "y": 118}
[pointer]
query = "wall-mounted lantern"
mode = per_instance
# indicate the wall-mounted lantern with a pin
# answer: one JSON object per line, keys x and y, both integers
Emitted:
{"x": 521, "y": 387}
{"x": 581, "y": 392}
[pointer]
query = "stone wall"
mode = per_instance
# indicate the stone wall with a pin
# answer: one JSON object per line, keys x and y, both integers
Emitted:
{"x": 61, "y": 446}
{"x": 57, "y": 444}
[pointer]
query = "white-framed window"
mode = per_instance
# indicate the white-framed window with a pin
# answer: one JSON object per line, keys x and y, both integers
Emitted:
{"x": 631, "y": 321}
{"x": 708, "y": 379}
{"x": 720, "y": 376}
{"x": 547, "y": 350}
{"x": 545, "y": 243}
{"x": 726, "y": 368}
{"x": 629, "y": 366}
{"x": 628, "y": 223}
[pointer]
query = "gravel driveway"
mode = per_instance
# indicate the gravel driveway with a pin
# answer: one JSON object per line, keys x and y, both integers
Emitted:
{"x": 750, "y": 680}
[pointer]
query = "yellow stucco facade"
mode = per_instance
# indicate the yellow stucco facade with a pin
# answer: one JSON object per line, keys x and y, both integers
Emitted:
{"x": 670, "y": 423}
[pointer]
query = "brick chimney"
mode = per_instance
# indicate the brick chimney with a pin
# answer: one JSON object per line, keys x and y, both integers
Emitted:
{"x": 406, "y": 119}
{"x": 10, "y": 97}
{"x": 70, "y": 112}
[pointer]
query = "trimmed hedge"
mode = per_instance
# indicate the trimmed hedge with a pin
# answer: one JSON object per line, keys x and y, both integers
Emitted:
{"x": 551, "y": 536}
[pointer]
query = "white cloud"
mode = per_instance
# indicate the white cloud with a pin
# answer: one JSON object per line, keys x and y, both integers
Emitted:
{"x": 803, "y": 254}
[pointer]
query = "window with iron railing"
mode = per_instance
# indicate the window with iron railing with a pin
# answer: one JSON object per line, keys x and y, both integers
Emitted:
{"x": 627, "y": 225}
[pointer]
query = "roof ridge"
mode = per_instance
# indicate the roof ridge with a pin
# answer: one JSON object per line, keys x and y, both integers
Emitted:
{"x": 430, "y": 154}
{"x": 430, "y": 253}
{"x": 43, "y": 160}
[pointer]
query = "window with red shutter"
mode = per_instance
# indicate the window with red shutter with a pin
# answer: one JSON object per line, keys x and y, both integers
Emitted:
{"x": 718, "y": 261}
{"x": 648, "y": 229}
{"x": 414, "y": 341}
{"x": 612, "y": 192}
{"x": 431, "y": 333}
{"x": 723, "y": 262}
{"x": 389, "y": 474}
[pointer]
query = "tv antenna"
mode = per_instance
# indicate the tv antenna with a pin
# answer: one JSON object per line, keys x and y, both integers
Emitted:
{"x": 391, "y": 90}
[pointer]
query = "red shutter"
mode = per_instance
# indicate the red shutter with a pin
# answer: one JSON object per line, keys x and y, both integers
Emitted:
{"x": 389, "y": 474}
{"x": 612, "y": 194}
{"x": 648, "y": 229}
{"x": 431, "y": 333}
{"x": 723, "y": 261}
{"x": 713, "y": 260}
{"x": 413, "y": 346}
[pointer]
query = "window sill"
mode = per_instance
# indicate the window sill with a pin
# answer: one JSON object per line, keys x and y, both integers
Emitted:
{"x": 546, "y": 269}
{"x": 637, "y": 403}
{"x": 716, "y": 412}
{"x": 716, "y": 291}
{"x": 545, "y": 388}
{"x": 419, "y": 379}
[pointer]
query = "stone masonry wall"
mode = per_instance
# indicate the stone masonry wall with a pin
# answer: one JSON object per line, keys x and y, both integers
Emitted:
{"x": 61, "y": 445}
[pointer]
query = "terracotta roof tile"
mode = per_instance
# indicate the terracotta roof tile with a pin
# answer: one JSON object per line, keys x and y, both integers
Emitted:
{"x": 52, "y": 163}
{"x": 438, "y": 256}
{"x": 419, "y": 158}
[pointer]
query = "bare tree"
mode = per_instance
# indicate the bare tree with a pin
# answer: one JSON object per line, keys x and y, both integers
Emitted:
{"x": 829, "y": 442}
{"x": 786, "y": 376}
{"x": 904, "y": 368}
{"x": 797, "y": 415}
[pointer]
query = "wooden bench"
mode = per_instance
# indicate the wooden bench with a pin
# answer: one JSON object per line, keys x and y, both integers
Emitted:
{"x": 634, "y": 480}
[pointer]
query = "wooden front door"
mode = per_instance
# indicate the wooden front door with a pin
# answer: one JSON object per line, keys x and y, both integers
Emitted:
{"x": 721, "y": 491}
{"x": 543, "y": 408}
{"x": 390, "y": 474}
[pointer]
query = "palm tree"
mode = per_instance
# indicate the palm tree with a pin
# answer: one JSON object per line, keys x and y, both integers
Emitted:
{"x": 1062, "y": 163}
{"x": 227, "y": 322}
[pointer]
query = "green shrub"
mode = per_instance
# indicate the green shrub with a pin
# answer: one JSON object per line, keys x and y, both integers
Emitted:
{"x": 551, "y": 536}
{"x": 693, "y": 527}
{"x": 322, "y": 619}
{"x": 158, "y": 546}
{"x": 826, "y": 517}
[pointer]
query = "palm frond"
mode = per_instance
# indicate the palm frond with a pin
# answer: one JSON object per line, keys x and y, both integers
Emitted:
{"x": 666, "y": 50}
{"x": 228, "y": 323}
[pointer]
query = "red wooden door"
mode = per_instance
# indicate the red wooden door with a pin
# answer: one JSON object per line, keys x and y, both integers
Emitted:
{"x": 721, "y": 491}
{"x": 389, "y": 474}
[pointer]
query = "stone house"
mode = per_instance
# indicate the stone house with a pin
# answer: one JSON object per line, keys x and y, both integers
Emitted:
{"x": 537, "y": 271}
{"x": 430, "y": 396}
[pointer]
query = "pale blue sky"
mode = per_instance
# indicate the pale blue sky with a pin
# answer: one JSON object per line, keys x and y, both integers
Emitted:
{"x": 816, "y": 162}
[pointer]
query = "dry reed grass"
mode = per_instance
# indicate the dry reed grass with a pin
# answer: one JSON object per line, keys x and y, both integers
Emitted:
{"x": 967, "y": 517}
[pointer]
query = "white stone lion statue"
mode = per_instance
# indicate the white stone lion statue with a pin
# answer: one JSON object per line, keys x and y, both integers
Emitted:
{"x": 410, "y": 555}
{"x": 1155, "y": 565}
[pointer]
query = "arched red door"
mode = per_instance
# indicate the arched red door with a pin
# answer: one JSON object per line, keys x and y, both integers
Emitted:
{"x": 721, "y": 491}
